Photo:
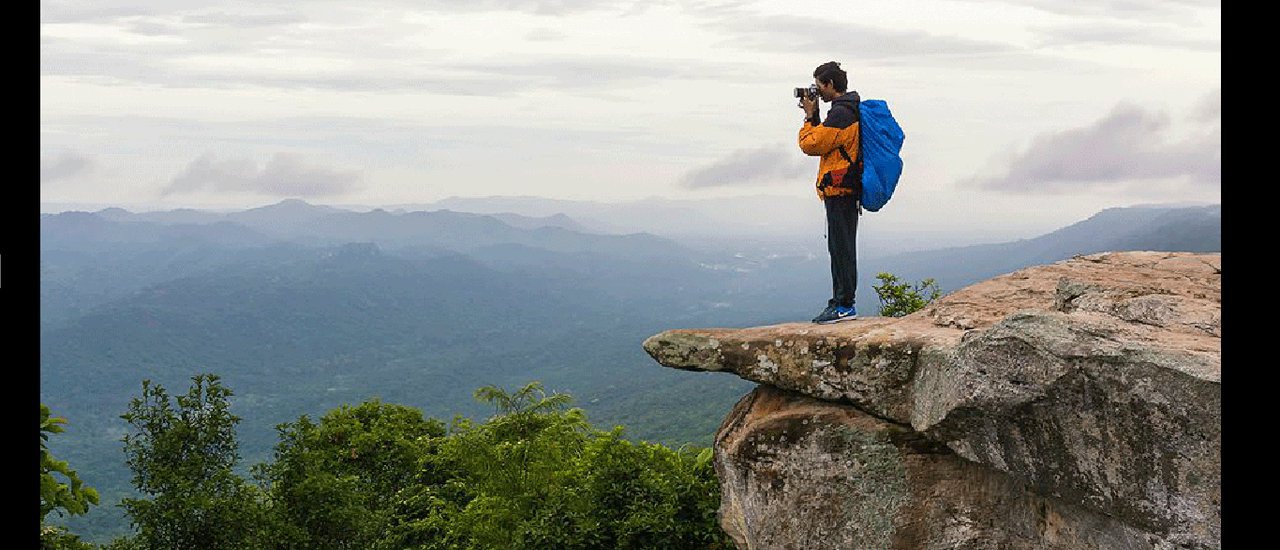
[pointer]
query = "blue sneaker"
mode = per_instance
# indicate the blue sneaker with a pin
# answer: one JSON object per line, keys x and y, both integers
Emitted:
{"x": 826, "y": 313}
{"x": 836, "y": 315}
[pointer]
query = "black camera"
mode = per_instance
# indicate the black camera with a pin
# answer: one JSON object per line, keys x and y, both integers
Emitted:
{"x": 811, "y": 92}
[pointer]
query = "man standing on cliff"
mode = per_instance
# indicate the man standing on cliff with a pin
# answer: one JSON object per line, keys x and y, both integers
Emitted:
{"x": 839, "y": 182}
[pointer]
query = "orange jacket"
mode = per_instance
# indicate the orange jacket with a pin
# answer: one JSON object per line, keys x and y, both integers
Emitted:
{"x": 840, "y": 128}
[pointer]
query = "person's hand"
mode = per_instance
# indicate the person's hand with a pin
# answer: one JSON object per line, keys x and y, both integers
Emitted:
{"x": 810, "y": 107}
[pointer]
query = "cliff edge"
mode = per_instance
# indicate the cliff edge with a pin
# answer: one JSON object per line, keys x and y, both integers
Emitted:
{"x": 1069, "y": 405}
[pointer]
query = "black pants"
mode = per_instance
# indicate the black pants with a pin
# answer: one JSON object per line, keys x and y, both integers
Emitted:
{"x": 842, "y": 237}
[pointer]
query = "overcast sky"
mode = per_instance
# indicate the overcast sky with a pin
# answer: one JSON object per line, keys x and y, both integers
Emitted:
{"x": 1016, "y": 112}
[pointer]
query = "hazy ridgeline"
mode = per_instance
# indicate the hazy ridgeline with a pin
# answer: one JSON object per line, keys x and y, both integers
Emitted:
{"x": 303, "y": 308}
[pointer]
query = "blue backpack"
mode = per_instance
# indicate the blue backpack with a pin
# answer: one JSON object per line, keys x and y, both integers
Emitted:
{"x": 880, "y": 145}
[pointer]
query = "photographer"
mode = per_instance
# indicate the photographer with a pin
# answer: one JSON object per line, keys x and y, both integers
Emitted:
{"x": 838, "y": 183}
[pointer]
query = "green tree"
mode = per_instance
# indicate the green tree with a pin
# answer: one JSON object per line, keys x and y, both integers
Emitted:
{"x": 182, "y": 459}
{"x": 537, "y": 475}
{"x": 333, "y": 482}
{"x": 53, "y": 537}
{"x": 512, "y": 462}
{"x": 633, "y": 495}
{"x": 70, "y": 498}
{"x": 901, "y": 298}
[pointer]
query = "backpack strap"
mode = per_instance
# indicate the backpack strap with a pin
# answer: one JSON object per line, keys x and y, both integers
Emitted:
{"x": 857, "y": 170}
{"x": 857, "y": 166}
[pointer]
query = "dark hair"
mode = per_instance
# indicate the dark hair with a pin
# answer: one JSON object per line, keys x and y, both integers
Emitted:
{"x": 831, "y": 72}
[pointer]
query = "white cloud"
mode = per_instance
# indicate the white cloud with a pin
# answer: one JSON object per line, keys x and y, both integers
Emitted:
{"x": 544, "y": 34}
{"x": 539, "y": 7}
{"x": 799, "y": 33}
{"x": 608, "y": 100}
{"x": 286, "y": 174}
{"x": 64, "y": 165}
{"x": 1122, "y": 34}
{"x": 1128, "y": 144}
{"x": 1209, "y": 110}
{"x": 746, "y": 167}
{"x": 1117, "y": 8}
{"x": 243, "y": 20}
{"x": 252, "y": 13}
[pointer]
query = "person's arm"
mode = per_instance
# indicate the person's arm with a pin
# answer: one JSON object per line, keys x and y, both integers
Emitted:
{"x": 817, "y": 140}
{"x": 820, "y": 139}
{"x": 810, "y": 108}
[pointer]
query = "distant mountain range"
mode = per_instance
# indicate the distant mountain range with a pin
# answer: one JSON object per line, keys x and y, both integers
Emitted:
{"x": 302, "y": 307}
{"x": 148, "y": 247}
{"x": 297, "y": 220}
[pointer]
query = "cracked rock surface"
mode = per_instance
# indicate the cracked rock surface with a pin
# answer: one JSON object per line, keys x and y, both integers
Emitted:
{"x": 798, "y": 472}
{"x": 1095, "y": 383}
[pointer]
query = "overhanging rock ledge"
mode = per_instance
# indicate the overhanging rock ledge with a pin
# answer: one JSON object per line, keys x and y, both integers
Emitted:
{"x": 1082, "y": 396}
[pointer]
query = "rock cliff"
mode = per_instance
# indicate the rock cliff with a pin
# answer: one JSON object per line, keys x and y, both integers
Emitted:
{"x": 1070, "y": 405}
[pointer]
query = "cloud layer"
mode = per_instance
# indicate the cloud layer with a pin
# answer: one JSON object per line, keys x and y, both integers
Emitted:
{"x": 746, "y": 167}
{"x": 286, "y": 174}
{"x": 1129, "y": 143}
{"x": 1121, "y": 34}
{"x": 792, "y": 33}
{"x": 62, "y": 11}
{"x": 1113, "y": 8}
{"x": 64, "y": 165}
{"x": 680, "y": 98}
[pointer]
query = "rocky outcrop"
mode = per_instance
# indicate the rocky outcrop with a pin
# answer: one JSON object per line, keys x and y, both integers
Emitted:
{"x": 1071, "y": 405}
{"x": 798, "y": 472}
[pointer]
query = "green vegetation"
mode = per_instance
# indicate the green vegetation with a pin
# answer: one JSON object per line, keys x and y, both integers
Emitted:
{"x": 901, "y": 298}
{"x": 70, "y": 498}
{"x": 295, "y": 332}
{"x": 182, "y": 460}
{"x": 334, "y": 482}
{"x": 536, "y": 474}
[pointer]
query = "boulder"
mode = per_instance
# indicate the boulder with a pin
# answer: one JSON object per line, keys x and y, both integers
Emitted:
{"x": 1095, "y": 382}
{"x": 802, "y": 473}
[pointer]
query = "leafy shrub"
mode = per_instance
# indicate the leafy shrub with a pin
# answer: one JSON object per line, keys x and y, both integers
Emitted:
{"x": 70, "y": 498}
{"x": 535, "y": 475}
{"x": 902, "y": 298}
